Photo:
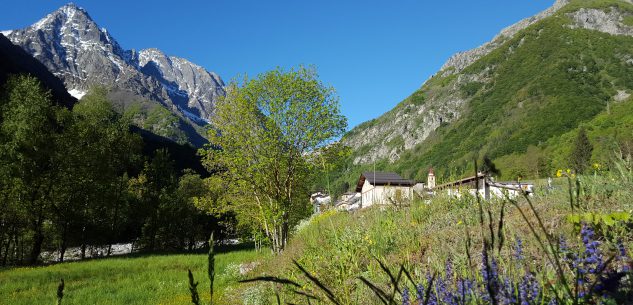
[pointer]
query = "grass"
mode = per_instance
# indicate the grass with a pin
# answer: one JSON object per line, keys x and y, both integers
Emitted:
{"x": 338, "y": 247}
{"x": 142, "y": 279}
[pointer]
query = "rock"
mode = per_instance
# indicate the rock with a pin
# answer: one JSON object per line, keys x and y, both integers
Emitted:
{"x": 248, "y": 267}
{"x": 609, "y": 22}
{"x": 621, "y": 96}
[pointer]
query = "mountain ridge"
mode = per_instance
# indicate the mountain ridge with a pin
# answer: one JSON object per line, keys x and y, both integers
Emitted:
{"x": 486, "y": 107}
{"x": 73, "y": 46}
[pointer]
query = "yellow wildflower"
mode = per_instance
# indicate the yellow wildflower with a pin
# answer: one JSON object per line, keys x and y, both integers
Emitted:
{"x": 559, "y": 173}
{"x": 596, "y": 165}
{"x": 569, "y": 171}
{"x": 459, "y": 222}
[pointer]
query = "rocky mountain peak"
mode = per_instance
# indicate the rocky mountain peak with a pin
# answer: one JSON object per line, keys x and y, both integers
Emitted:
{"x": 190, "y": 85}
{"x": 75, "y": 49}
{"x": 64, "y": 14}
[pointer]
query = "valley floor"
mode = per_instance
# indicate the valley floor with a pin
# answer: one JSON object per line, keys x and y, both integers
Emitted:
{"x": 137, "y": 279}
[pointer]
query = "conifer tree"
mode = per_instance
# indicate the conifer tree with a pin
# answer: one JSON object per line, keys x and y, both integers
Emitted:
{"x": 581, "y": 154}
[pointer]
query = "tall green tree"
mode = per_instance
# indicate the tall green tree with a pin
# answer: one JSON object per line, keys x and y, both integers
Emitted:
{"x": 581, "y": 154}
{"x": 267, "y": 136}
{"x": 27, "y": 126}
{"x": 155, "y": 189}
{"x": 93, "y": 154}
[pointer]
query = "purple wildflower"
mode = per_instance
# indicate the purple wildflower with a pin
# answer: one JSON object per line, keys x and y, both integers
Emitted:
{"x": 621, "y": 249}
{"x": 449, "y": 270}
{"x": 405, "y": 297}
{"x": 508, "y": 296}
{"x": 518, "y": 250}
{"x": 593, "y": 257}
{"x": 623, "y": 257}
{"x": 523, "y": 291}
{"x": 491, "y": 278}
{"x": 420, "y": 293}
{"x": 464, "y": 290}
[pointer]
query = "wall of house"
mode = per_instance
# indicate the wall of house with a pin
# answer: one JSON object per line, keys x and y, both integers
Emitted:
{"x": 498, "y": 192}
{"x": 489, "y": 192}
{"x": 380, "y": 194}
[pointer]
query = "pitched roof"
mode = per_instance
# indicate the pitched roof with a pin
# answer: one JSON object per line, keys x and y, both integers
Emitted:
{"x": 382, "y": 178}
{"x": 462, "y": 181}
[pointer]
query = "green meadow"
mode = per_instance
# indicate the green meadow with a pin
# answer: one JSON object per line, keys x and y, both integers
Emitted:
{"x": 142, "y": 279}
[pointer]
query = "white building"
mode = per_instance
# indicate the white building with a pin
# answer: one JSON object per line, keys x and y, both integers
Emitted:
{"x": 486, "y": 187}
{"x": 319, "y": 200}
{"x": 384, "y": 188}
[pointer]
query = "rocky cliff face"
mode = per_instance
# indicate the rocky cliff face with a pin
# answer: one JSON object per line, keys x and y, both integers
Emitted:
{"x": 74, "y": 48}
{"x": 446, "y": 100}
{"x": 610, "y": 22}
{"x": 192, "y": 87}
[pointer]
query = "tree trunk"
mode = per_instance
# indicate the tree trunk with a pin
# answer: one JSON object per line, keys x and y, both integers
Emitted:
{"x": 83, "y": 242}
{"x": 284, "y": 231}
{"x": 83, "y": 251}
{"x": 64, "y": 244}
{"x": 21, "y": 251}
{"x": 36, "y": 250}
{"x": 113, "y": 228}
{"x": 5, "y": 254}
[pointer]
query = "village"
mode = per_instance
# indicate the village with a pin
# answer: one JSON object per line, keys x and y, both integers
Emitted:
{"x": 389, "y": 188}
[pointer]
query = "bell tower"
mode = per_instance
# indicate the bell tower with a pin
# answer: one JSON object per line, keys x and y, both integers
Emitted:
{"x": 430, "y": 180}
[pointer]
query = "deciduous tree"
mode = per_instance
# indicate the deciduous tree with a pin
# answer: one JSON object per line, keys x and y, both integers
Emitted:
{"x": 267, "y": 136}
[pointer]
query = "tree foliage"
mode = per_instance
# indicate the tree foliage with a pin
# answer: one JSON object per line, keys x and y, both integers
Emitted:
{"x": 268, "y": 137}
{"x": 76, "y": 178}
{"x": 581, "y": 154}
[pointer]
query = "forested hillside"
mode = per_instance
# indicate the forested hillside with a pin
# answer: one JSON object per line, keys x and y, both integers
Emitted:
{"x": 519, "y": 104}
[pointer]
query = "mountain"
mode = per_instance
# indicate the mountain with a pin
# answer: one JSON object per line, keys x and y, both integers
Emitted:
{"x": 193, "y": 88}
{"x": 14, "y": 60}
{"x": 513, "y": 99}
{"x": 72, "y": 46}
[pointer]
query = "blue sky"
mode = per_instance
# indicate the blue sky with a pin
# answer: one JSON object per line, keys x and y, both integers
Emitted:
{"x": 375, "y": 53}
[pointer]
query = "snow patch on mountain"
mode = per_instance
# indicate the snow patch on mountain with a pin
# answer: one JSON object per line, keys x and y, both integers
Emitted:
{"x": 194, "y": 117}
{"x": 78, "y": 94}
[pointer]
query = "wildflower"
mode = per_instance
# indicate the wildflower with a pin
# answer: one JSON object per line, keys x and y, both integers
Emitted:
{"x": 432, "y": 297}
{"x": 449, "y": 270}
{"x": 443, "y": 291}
{"x": 559, "y": 173}
{"x": 621, "y": 249}
{"x": 596, "y": 166}
{"x": 623, "y": 257}
{"x": 420, "y": 293}
{"x": 593, "y": 257}
{"x": 507, "y": 293}
{"x": 518, "y": 250}
{"x": 464, "y": 290}
{"x": 459, "y": 222}
{"x": 490, "y": 276}
{"x": 405, "y": 297}
{"x": 568, "y": 171}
